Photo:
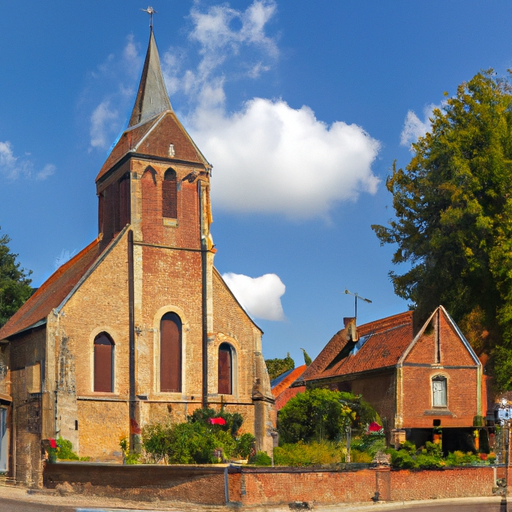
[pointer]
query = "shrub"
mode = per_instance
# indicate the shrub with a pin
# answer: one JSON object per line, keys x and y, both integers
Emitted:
{"x": 402, "y": 459}
{"x": 261, "y": 459}
{"x": 315, "y": 453}
{"x": 369, "y": 443}
{"x": 200, "y": 440}
{"x": 361, "y": 457}
{"x": 65, "y": 450}
{"x": 245, "y": 445}
{"x": 458, "y": 458}
{"x": 321, "y": 414}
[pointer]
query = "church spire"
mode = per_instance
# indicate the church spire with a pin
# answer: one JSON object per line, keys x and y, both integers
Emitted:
{"x": 152, "y": 97}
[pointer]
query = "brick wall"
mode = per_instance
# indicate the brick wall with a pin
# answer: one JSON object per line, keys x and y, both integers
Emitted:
{"x": 206, "y": 485}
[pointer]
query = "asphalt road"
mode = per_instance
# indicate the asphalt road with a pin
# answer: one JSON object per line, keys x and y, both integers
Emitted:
{"x": 495, "y": 504}
{"x": 463, "y": 507}
{"x": 7, "y": 505}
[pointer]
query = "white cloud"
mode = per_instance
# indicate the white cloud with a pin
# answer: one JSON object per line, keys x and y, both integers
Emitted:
{"x": 48, "y": 170}
{"x": 225, "y": 36}
{"x": 414, "y": 128}
{"x": 117, "y": 75}
{"x": 14, "y": 167}
{"x": 214, "y": 29}
{"x": 271, "y": 158}
{"x": 259, "y": 296}
{"x": 103, "y": 122}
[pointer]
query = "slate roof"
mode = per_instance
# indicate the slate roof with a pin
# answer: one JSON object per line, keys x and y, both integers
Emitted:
{"x": 152, "y": 97}
{"x": 52, "y": 293}
{"x": 153, "y": 125}
{"x": 381, "y": 344}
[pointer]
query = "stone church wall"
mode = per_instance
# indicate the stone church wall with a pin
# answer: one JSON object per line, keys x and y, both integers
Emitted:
{"x": 99, "y": 305}
{"x": 26, "y": 354}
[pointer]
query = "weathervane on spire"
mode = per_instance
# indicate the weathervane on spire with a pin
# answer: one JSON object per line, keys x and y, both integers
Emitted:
{"x": 150, "y": 11}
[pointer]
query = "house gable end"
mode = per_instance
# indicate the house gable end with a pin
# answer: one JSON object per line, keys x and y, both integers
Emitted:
{"x": 440, "y": 342}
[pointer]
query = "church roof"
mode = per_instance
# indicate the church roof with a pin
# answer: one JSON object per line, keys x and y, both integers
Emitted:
{"x": 153, "y": 129}
{"x": 52, "y": 293}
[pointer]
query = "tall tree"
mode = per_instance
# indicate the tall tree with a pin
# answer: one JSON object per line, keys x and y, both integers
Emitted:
{"x": 453, "y": 225}
{"x": 15, "y": 286}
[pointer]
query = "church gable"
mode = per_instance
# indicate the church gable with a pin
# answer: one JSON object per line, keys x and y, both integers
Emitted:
{"x": 162, "y": 137}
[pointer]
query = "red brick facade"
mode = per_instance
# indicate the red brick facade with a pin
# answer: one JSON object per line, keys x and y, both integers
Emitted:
{"x": 415, "y": 381}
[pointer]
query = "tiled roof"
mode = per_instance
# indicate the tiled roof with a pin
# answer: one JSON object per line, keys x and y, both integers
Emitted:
{"x": 153, "y": 138}
{"x": 290, "y": 378}
{"x": 51, "y": 294}
{"x": 380, "y": 345}
{"x": 285, "y": 396}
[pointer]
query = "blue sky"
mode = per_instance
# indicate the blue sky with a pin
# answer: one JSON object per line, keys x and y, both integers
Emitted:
{"x": 301, "y": 107}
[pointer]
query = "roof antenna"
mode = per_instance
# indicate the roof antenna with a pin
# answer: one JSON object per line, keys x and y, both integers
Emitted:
{"x": 150, "y": 11}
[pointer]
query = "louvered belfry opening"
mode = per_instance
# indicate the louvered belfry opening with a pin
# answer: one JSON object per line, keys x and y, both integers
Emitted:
{"x": 170, "y": 195}
{"x": 170, "y": 353}
{"x": 225, "y": 369}
{"x": 103, "y": 363}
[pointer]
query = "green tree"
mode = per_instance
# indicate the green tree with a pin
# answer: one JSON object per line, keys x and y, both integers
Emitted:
{"x": 453, "y": 221}
{"x": 15, "y": 286}
{"x": 278, "y": 366}
{"x": 307, "y": 359}
{"x": 321, "y": 414}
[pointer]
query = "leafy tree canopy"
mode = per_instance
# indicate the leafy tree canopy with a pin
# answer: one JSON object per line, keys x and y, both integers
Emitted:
{"x": 321, "y": 414}
{"x": 453, "y": 223}
{"x": 278, "y": 366}
{"x": 15, "y": 286}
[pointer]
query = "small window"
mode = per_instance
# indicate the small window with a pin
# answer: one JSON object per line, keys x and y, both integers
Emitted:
{"x": 103, "y": 363}
{"x": 439, "y": 395}
{"x": 225, "y": 369}
{"x": 170, "y": 195}
{"x": 170, "y": 353}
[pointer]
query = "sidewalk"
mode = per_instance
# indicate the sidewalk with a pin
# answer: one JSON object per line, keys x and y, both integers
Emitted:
{"x": 84, "y": 503}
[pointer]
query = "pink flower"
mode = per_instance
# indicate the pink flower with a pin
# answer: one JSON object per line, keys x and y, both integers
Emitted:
{"x": 53, "y": 443}
{"x": 217, "y": 421}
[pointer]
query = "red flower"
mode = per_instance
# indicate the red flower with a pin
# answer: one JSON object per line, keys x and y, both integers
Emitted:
{"x": 217, "y": 421}
{"x": 53, "y": 443}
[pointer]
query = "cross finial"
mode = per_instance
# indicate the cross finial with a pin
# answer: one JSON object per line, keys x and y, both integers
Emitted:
{"x": 150, "y": 11}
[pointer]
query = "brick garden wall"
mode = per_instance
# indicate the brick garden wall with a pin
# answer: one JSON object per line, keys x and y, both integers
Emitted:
{"x": 218, "y": 485}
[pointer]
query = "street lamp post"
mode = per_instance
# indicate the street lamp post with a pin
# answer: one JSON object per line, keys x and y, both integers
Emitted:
{"x": 356, "y": 296}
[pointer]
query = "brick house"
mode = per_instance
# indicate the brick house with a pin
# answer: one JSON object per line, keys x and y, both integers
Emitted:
{"x": 138, "y": 327}
{"x": 415, "y": 381}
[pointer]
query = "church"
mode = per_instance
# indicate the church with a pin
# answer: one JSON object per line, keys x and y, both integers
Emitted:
{"x": 139, "y": 327}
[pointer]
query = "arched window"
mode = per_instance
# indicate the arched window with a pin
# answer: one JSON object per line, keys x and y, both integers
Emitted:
{"x": 225, "y": 369}
{"x": 170, "y": 195}
{"x": 170, "y": 352}
{"x": 439, "y": 391}
{"x": 103, "y": 363}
